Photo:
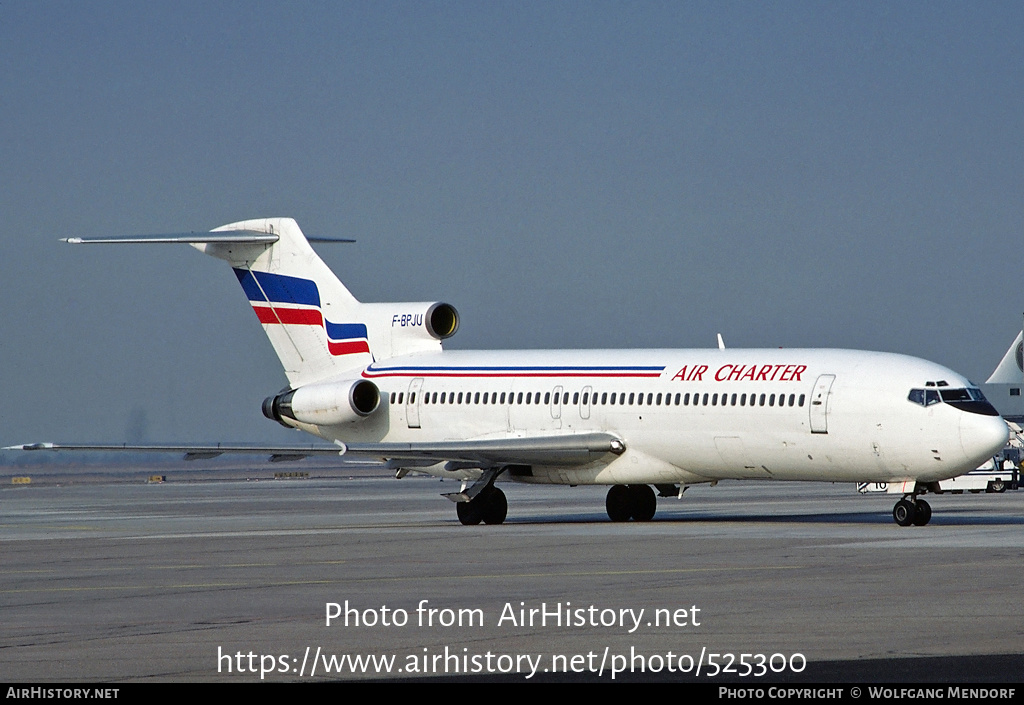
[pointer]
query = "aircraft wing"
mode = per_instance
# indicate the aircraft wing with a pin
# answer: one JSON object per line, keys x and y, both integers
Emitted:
{"x": 276, "y": 453}
{"x": 566, "y": 449}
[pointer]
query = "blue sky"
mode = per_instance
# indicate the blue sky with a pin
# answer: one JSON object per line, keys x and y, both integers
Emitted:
{"x": 566, "y": 174}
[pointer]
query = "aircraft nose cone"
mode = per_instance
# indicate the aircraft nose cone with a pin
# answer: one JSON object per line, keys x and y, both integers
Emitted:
{"x": 981, "y": 437}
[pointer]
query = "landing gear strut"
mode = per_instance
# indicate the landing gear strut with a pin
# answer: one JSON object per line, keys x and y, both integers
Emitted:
{"x": 910, "y": 510}
{"x": 489, "y": 507}
{"x": 625, "y": 502}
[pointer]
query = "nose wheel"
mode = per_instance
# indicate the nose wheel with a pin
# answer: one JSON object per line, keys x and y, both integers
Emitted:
{"x": 909, "y": 511}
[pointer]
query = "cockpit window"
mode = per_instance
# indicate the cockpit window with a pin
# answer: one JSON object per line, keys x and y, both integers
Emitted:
{"x": 969, "y": 399}
{"x": 924, "y": 397}
{"x": 949, "y": 395}
{"x": 968, "y": 394}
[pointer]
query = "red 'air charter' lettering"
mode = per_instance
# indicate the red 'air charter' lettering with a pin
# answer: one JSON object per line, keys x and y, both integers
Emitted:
{"x": 743, "y": 373}
{"x": 696, "y": 374}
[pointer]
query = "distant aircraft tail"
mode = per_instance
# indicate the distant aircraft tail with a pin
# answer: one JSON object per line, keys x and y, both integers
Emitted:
{"x": 1010, "y": 369}
{"x": 318, "y": 329}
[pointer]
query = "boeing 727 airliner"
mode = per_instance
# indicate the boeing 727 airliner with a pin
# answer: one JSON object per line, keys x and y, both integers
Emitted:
{"x": 374, "y": 380}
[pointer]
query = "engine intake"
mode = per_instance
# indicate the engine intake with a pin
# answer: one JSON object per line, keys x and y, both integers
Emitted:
{"x": 442, "y": 320}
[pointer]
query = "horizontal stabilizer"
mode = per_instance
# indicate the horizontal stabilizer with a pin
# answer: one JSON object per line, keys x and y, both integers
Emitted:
{"x": 236, "y": 237}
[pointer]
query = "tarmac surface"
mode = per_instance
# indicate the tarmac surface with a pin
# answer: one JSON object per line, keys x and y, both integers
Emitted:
{"x": 754, "y": 583}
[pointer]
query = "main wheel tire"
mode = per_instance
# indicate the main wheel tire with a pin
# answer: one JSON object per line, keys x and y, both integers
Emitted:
{"x": 496, "y": 508}
{"x": 922, "y": 513}
{"x": 469, "y": 513}
{"x": 903, "y": 513}
{"x": 644, "y": 502}
{"x": 618, "y": 503}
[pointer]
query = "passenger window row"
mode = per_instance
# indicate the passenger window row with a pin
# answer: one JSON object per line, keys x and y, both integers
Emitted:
{"x": 605, "y": 398}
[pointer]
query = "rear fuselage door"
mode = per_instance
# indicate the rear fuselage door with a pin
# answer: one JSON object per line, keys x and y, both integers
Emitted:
{"x": 412, "y": 402}
{"x": 819, "y": 403}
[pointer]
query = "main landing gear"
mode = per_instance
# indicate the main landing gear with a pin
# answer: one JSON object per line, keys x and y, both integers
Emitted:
{"x": 489, "y": 507}
{"x": 625, "y": 502}
{"x": 911, "y": 510}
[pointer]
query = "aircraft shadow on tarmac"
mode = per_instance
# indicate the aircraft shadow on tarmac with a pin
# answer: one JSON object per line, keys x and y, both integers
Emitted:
{"x": 948, "y": 517}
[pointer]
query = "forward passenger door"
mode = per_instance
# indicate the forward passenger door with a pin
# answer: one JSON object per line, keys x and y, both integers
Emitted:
{"x": 819, "y": 403}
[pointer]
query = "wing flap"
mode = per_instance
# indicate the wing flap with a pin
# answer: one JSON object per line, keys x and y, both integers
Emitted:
{"x": 562, "y": 450}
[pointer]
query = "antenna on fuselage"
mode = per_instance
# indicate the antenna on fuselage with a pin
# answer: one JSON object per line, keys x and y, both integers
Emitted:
{"x": 721, "y": 343}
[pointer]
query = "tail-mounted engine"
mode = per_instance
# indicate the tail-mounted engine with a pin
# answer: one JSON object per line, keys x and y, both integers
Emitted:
{"x": 328, "y": 404}
{"x": 442, "y": 320}
{"x": 405, "y": 328}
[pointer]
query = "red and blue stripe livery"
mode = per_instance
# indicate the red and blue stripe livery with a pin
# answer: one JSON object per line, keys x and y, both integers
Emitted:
{"x": 278, "y": 299}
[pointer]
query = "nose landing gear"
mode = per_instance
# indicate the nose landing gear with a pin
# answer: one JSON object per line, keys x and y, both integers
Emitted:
{"x": 910, "y": 510}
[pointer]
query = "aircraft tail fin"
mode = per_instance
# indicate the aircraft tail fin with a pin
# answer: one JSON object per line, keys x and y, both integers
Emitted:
{"x": 317, "y": 327}
{"x": 310, "y": 317}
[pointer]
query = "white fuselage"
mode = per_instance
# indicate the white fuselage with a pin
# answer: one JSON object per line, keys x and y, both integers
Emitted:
{"x": 688, "y": 416}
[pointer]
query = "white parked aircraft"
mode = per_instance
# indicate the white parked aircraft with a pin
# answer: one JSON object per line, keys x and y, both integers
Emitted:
{"x": 373, "y": 379}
